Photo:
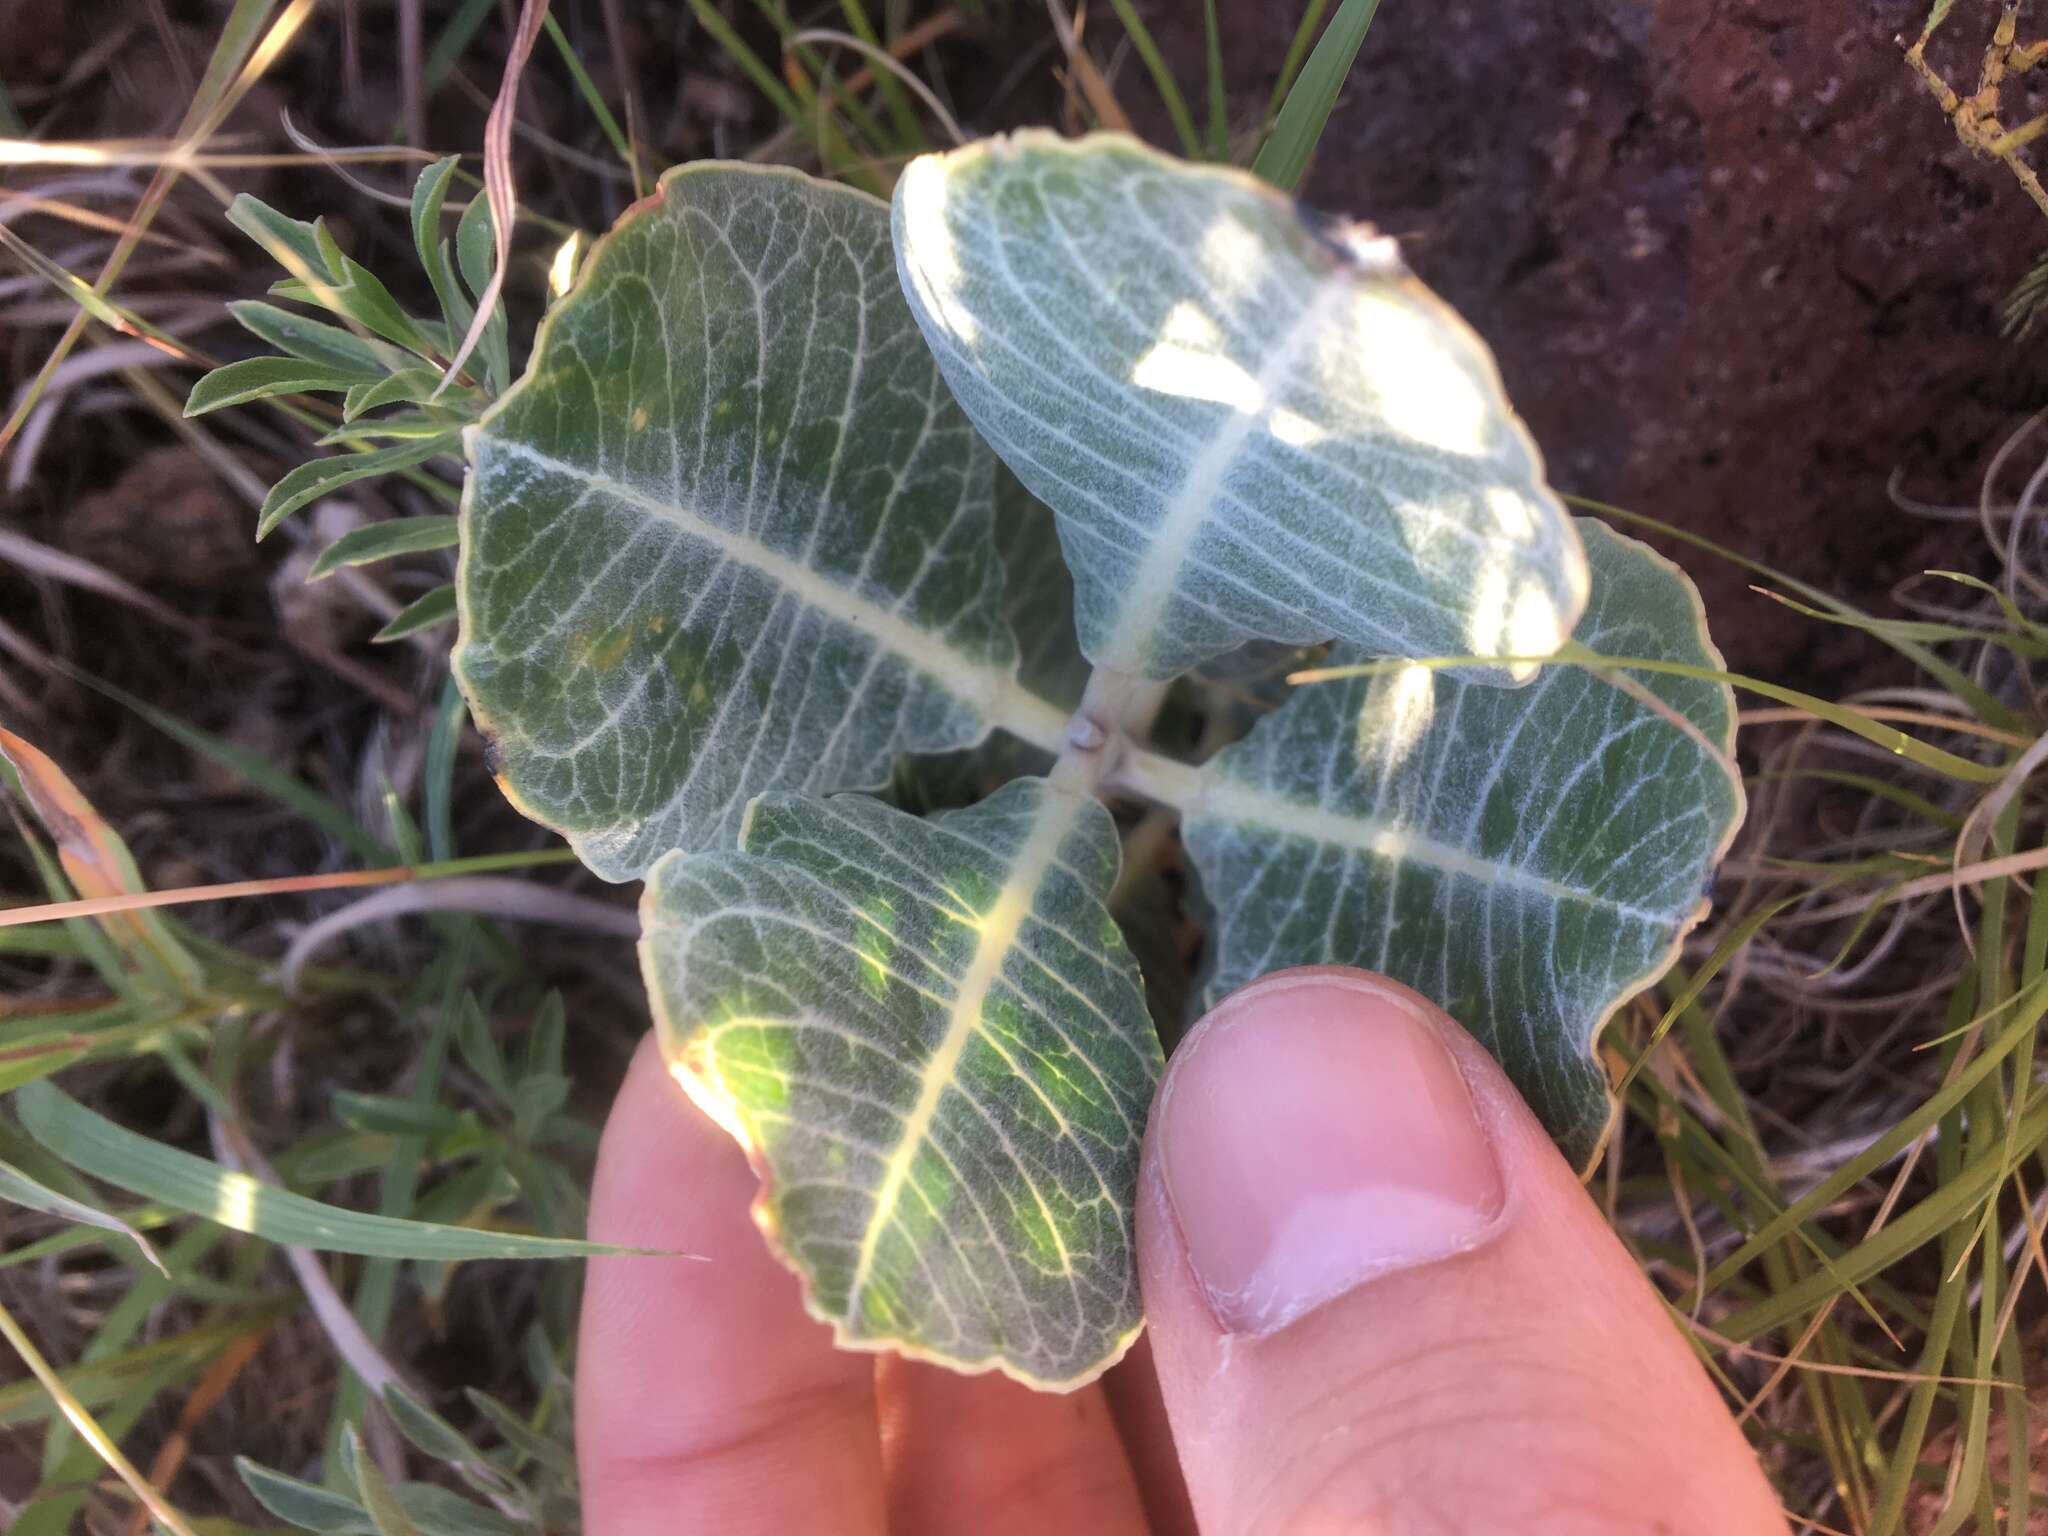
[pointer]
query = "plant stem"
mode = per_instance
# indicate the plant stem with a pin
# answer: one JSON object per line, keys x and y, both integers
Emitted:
{"x": 1116, "y": 709}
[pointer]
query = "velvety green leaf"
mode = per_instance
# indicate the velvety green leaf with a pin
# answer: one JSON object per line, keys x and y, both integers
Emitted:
{"x": 378, "y": 1498}
{"x": 434, "y": 1435}
{"x": 1038, "y": 594}
{"x": 423, "y": 612}
{"x": 315, "y": 340}
{"x": 1251, "y": 423}
{"x": 550, "y": 1454}
{"x": 322, "y": 274}
{"x": 292, "y": 243}
{"x": 407, "y": 386}
{"x": 429, "y": 195}
{"x": 434, "y": 1511}
{"x": 930, "y": 1039}
{"x": 258, "y": 378}
{"x": 1528, "y": 859}
{"x": 1038, "y": 602}
{"x": 406, "y": 427}
{"x": 384, "y": 541}
{"x": 361, "y": 295}
{"x": 95, "y": 1145}
{"x": 315, "y": 478}
{"x": 304, "y": 1505}
{"x": 438, "y": 1511}
{"x": 729, "y": 534}
{"x": 382, "y": 1114}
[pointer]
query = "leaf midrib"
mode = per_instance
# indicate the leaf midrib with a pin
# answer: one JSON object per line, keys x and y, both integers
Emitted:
{"x": 1167, "y": 552}
{"x": 1234, "y": 800}
{"x": 991, "y": 692}
{"x": 1014, "y": 905}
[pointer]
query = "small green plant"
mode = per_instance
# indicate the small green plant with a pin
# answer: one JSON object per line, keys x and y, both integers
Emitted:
{"x": 737, "y": 542}
{"x": 389, "y": 359}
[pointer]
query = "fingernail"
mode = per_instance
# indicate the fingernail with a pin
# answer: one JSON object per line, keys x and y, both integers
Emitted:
{"x": 1315, "y": 1133}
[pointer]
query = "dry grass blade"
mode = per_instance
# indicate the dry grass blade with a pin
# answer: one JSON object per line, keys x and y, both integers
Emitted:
{"x": 55, "y": 565}
{"x": 89, "y": 1429}
{"x": 212, "y": 1387}
{"x": 100, "y": 906}
{"x": 878, "y": 56}
{"x": 470, "y": 893}
{"x": 232, "y": 73}
{"x": 96, "y": 862}
{"x": 1086, "y": 73}
{"x": 498, "y": 178}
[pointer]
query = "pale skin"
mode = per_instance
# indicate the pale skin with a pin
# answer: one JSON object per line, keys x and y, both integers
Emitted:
{"x": 1529, "y": 1381}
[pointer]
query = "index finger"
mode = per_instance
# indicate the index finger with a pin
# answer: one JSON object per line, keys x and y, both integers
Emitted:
{"x": 706, "y": 1398}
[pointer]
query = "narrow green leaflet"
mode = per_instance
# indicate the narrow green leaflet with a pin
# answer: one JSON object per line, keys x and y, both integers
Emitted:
{"x": 384, "y": 541}
{"x": 423, "y": 612}
{"x": 730, "y": 534}
{"x": 1527, "y": 859}
{"x": 315, "y": 340}
{"x": 315, "y": 478}
{"x": 931, "y": 1040}
{"x": 258, "y": 378}
{"x": 1252, "y": 423}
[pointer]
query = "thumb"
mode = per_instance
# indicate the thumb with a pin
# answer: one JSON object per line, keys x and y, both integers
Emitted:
{"x": 1381, "y": 1302}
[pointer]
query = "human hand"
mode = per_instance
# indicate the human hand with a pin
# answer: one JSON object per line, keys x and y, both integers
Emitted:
{"x": 1378, "y": 1301}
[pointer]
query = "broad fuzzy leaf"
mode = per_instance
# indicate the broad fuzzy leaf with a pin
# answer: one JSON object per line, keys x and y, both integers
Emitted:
{"x": 1528, "y": 859}
{"x": 730, "y": 534}
{"x": 1038, "y": 594}
{"x": 931, "y": 1040}
{"x": 1251, "y": 423}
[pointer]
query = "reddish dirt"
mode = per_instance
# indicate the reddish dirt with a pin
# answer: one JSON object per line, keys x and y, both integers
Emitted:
{"x": 1735, "y": 264}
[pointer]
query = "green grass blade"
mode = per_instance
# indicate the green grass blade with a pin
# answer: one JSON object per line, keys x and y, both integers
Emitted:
{"x": 95, "y": 1145}
{"x": 1219, "y": 105}
{"x": 587, "y": 88}
{"x": 439, "y": 773}
{"x": 1956, "y": 1200}
{"x": 1290, "y": 68}
{"x": 1162, "y": 77}
{"x": 258, "y": 772}
{"x": 1987, "y": 707}
{"x": 1307, "y": 109}
{"x": 910, "y": 134}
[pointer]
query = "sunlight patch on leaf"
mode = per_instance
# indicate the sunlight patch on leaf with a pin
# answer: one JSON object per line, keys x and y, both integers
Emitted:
{"x": 932, "y": 1042}
{"x": 1251, "y": 423}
